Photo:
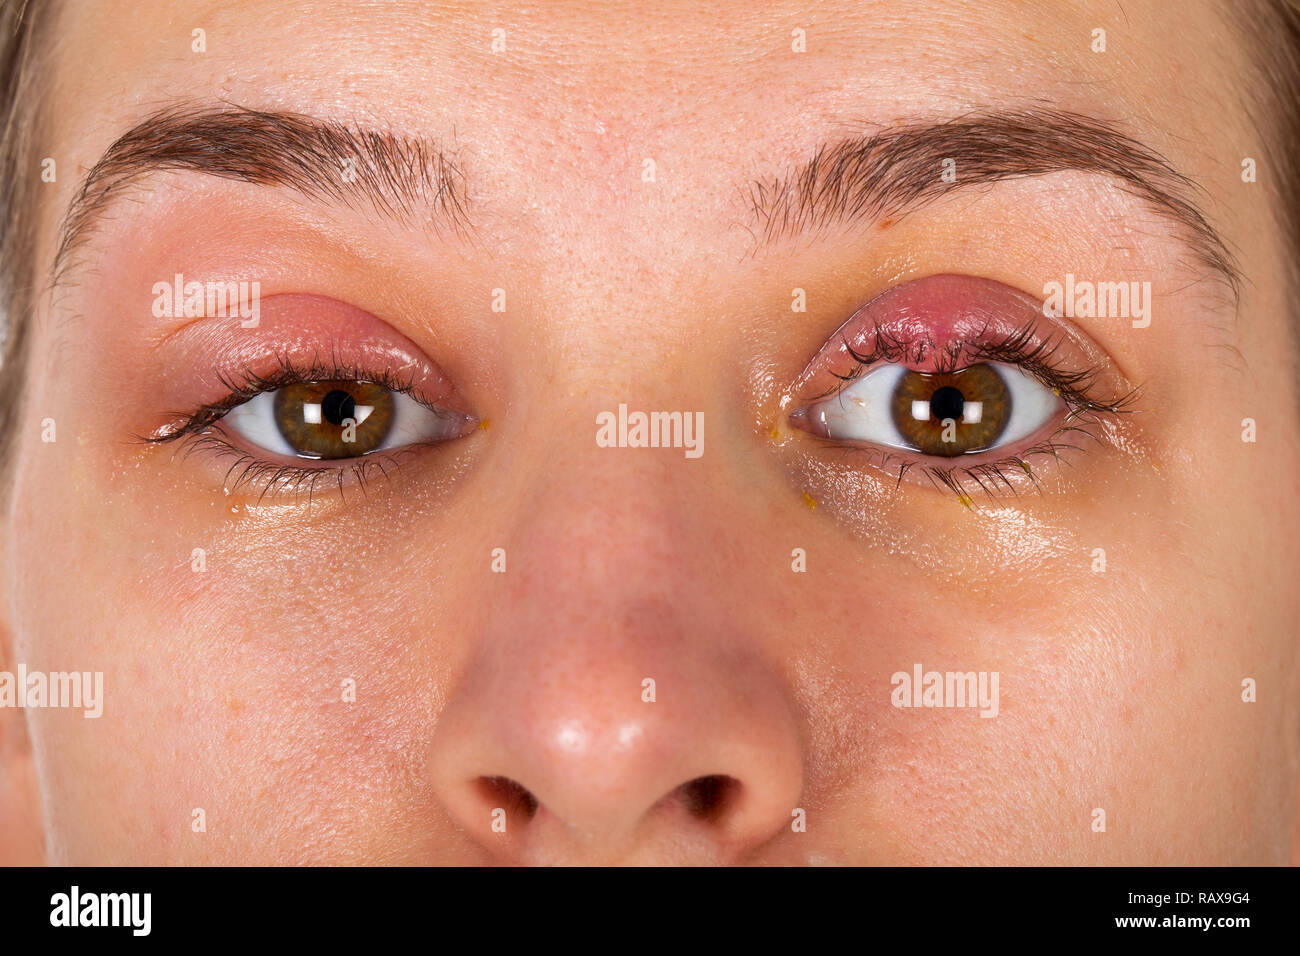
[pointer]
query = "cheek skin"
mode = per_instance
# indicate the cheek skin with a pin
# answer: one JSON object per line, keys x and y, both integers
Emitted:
{"x": 1110, "y": 682}
{"x": 1105, "y": 700}
{"x": 223, "y": 689}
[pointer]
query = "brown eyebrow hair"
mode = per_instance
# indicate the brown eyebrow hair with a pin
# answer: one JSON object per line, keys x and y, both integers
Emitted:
{"x": 398, "y": 177}
{"x": 890, "y": 173}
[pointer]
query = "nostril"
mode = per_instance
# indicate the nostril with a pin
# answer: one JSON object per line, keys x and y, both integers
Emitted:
{"x": 514, "y": 797}
{"x": 709, "y": 798}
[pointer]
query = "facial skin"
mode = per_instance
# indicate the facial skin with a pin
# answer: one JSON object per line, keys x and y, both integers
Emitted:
{"x": 1120, "y": 689}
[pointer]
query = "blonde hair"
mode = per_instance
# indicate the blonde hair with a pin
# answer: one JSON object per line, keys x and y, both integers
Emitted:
{"x": 20, "y": 29}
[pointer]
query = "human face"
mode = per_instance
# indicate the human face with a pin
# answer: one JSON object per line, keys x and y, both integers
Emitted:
{"x": 508, "y": 642}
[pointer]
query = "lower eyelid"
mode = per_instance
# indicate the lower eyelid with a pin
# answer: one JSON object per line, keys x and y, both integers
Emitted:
{"x": 991, "y": 474}
{"x": 243, "y": 474}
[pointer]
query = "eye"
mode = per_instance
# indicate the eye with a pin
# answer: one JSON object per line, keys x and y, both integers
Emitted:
{"x": 339, "y": 419}
{"x": 941, "y": 414}
{"x": 960, "y": 383}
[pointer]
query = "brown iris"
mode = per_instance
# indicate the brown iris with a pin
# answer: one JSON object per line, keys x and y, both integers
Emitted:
{"x": 333, "y": 419}
{"x": 951, "y": 413}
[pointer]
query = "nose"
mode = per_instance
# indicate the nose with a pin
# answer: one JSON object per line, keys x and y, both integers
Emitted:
{"x": 547, "y": 755}
{"x": 614, "y": 708}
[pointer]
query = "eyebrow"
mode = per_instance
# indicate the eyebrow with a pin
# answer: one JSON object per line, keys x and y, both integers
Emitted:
{"x": 887, "y": 174}
{"x": 400, "y": 178}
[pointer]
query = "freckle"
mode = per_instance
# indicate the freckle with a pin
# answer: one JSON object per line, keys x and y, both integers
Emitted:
{"x": 809, "y": 500}
{"x": 234, "y": 704}
{"x": 885, "y": 224}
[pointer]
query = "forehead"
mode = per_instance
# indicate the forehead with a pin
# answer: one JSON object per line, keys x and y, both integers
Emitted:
{"x": 558, "y": 107}
{"x": 615, "y": 73}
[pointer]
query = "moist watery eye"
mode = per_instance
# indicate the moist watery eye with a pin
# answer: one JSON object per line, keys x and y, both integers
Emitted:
{"x": 336, "y": 415}
{"x": 943, "y": 414}
{"x": 338, "y": 419}
{"x": 955, "y": 379}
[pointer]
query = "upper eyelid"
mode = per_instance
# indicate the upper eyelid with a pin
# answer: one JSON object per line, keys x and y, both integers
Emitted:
{"x": 944, "y": 320}
{"x": 1072, "y": 385}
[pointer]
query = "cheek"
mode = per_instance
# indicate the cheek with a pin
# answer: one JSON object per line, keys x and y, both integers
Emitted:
{"x": 1118, "y": 691}
{"x": 285, "y": 683}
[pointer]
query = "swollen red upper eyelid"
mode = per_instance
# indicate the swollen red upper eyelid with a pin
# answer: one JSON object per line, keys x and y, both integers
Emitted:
{"x": 927, "y": 323}
{"x": 204, "y": 357}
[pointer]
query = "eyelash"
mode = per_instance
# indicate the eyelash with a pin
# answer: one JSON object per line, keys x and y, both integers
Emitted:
{"x": 197, "y": 429}
{"x": 1075, "y": 387}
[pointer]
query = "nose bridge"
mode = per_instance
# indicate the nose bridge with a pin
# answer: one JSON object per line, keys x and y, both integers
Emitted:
{"x": 601, "y": 597}
{"x": 595, "y": 521}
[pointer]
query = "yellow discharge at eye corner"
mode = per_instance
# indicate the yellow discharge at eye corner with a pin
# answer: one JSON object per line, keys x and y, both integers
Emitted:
{"x": 810, "y": 501}
{"x": 778, "y": 432}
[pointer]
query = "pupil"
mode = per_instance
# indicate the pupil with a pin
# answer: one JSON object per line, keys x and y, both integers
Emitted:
{"x": 338, "y": 405}
{"x": 947, "y": 402}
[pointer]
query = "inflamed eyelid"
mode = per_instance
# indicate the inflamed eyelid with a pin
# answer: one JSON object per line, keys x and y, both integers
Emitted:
{"x": 208, "y": 358}
{"x": 942, "y": 325}
{"x": 199, "y": 430}
{"x": 1026, "y": 348}
{"x": 244, "y": 383}
{"x": 943, "y": 322}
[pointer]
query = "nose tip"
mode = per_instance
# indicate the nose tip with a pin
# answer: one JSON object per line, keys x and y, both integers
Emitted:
{"x": 695, "y": 780}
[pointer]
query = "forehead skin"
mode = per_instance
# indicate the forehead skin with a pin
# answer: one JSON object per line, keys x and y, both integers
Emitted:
{"x": 585, "y": 92}
{"x": 636, "y": 291}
